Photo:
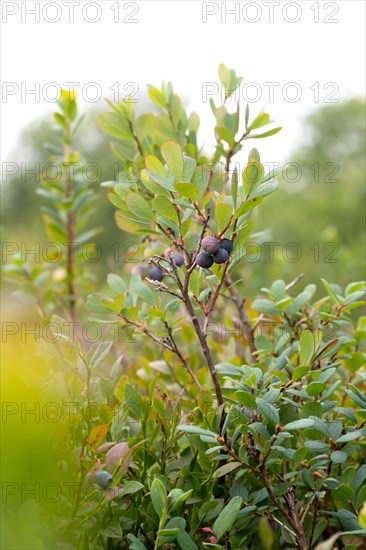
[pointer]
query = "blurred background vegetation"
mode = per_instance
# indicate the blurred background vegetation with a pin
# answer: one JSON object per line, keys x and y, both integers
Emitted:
{"x": 319, "y": 204}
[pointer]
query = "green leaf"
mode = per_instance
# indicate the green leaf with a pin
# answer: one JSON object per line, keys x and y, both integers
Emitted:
{"x": 227, "y": 517}
{"x": 138, "y": 206}
{"x": 246, "y": 115}
{"x": 195, "y": 430}
{"x": 158, "y": 497}
{"x": 234, "y": 187}
{"x": 193, "y": 122}
{"x": 201, "y": 178}
{"x": 330, "y": 291}
{"x": 360, "y": 402}
{"x": 252, "y": 176}
{"x": 164, "y": 207}
{"x": 125, "y": 221}
{"x": 338, "y": 457}
{"x": 228, "y": 369}
{"x": 55, "y": 232}
{"x": 313, "y": 408}
{"x": 68, "y": 103}
{"x": 145, "y": 293}
{"x": 225, "y": 134}
{"x": 229, "y": 79}
{"x": 156, "y": 96}
{"x": 224, "y": 74}
{"x": 268, "y": 411}
{"x": 115, "y": 126}
{"x": 168, "y": 532}
{"x": 188, "y": 190}
{"x": 184, "y": 540}
{"x": 131, "y": 487}
{"x": 100, "y": 354}
{"x": 307, "y": 347}
{"x": 351, "y": 436}
{"x": 316, "y": 446}
{"x": 265, "y": 189}
{"x": 361, "y": 499}
{"x": 266, "y": 134}
{"x": 261, "y": 120}
{"x": 133, "y": 401}
{"x": 247, "y": 206}
{"x": 254, "y": 155}
{"x": 223, "y": 213}
{"x": 343, "y": 492}
{"x": 154, "y": 165}
{"x": 189, "y": 167}
{"x": 172, "y": 154}
{"x": 155, "y": 183}
{"x": 116, "y": 284}
{"x": 135, "y": 544}
{"x": 226, "y": 469}
{"x": 298, "y": 302}
{"x": 264, "y": 306}
{"x": 319, "y": 528}
{"x": 299, "y": 424}
{"x": 247, "y": 399}
{"x": 299, "y": 372}
{"x": 177, "y": 497}
{"x": 349, "y": 521}
{"x": 315, "y": 388}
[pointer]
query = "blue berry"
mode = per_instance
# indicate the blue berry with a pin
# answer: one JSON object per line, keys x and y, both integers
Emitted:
{"x": 210, "y": 245}
{"x": 178, "y": 258}
{"x": 104, "y": 479}
{"x": 155, "y": 274}
{"x": 227, "y": 245}
{"x": 221, "y": 256}
{"x": 204, "y": 260}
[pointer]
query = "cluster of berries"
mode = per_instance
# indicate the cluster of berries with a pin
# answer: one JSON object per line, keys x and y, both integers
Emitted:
{"x": 214, "y": 250}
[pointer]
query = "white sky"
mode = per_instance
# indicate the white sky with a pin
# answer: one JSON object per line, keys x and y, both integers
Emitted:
{"x": 170, "y": 41}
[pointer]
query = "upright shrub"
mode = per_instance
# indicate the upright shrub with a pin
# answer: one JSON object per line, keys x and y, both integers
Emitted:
{"x": 226, "y": 423}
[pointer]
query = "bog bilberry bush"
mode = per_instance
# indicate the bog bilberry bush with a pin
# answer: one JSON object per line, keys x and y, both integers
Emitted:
{"x": 229, "y": 424}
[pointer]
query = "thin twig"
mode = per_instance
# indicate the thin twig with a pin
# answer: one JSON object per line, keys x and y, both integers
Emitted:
{"x": 179, "y": 354}
{"x": 163, "y": 343}
{"x": 296, "y": 280}
{"x": 135, "y": 137}
{"x": 307, "y": 509}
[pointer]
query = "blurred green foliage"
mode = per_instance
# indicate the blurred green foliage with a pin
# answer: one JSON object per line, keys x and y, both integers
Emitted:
{"x": 325, "y": 205}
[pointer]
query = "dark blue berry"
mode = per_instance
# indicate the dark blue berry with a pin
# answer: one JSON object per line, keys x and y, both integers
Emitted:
{"x": 178, "y": 259}
{"x": 227, "y": 245}
{"x": 155, "y": 274}
{"x": 204, "y": 260}
{"x": 221, "y": 256}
